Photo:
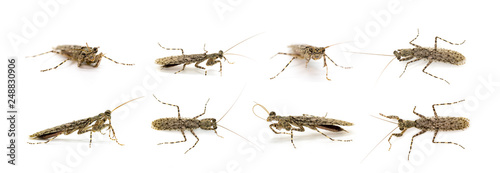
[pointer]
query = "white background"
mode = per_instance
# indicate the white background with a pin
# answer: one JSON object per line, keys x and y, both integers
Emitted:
{"x": 129, "y": 32}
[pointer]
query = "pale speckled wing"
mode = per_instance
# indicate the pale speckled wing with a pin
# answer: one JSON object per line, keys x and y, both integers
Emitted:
{"x": 180, "y": 59}
{"x": 175, "y": 124}
{"x": 442, "y": 123}
{"x": 298, "y": 49}
{"x": 441, "y": 55}
{"x": 54, "y": 131}
{"x": 449, "y": 56}
{"x": 70, "y": 47}
{"x": 75, "y": 52}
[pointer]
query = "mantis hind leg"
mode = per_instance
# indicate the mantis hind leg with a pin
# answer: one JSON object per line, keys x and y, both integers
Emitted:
{"x": 433, "y": 141}
{"x": 184, "y": 135}
{"x": 427, "y": 65}
{"x": 284, "y": 68}
{"x": 437, "y": 37}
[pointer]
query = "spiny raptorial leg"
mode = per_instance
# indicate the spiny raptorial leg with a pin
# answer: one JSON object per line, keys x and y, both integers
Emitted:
{"x": 324, "y": 65}
{"x": 435, "y": 42}
{"x": 397, "y": 135}
{"x": 85, "y": 130}
{"x": 390, "y": 116}
{"x": 220, "y": 63}
{"x": 113, "y": 132}
{"x": 96, "y": 63}
{"x": 218, "y": 134}
{"x": 276, "y": 132}
{"x": 433, "y": 140}
{"x": 300, "y": 129}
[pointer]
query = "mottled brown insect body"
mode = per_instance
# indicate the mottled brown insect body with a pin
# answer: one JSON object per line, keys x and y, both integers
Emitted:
{"x": 91, "y": 124}
{"x": 182, "y": 124}
{"x": 69, "y": 128}
{"x": 425, "y": 124}
{"x": 211, "y": 59}
{"x": 80, "y": 54}
{"x": 430, "y": 54}
{"x": 297, "y": 123}
{"x": 442, "y": 123}
{"x": 310, "y": 121}
{"x": 307, "y": 52}
{"x": 441, "y": 55}
{"x": 183, "y": 59}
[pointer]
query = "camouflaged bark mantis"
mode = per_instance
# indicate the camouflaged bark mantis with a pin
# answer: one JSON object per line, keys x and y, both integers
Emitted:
{"x": 190, "y": 124}
{"x": 211, "y": 59}
{"x": 431, "y": 54}
{"x": 425, "y": 124}
{"x": 80, "y": 54}
{"x": 91, "y": 124}
{"x": 297, "y": 123}
{"x": 307, "y": 52}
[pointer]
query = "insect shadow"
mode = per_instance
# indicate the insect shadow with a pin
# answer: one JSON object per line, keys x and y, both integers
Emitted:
{"x": 80, "y": 54}
{"x": 92, "y": 124}
{"x": 297, "y": 123}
